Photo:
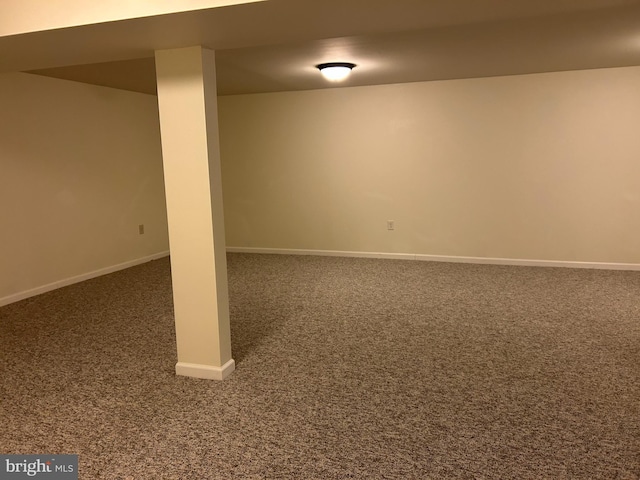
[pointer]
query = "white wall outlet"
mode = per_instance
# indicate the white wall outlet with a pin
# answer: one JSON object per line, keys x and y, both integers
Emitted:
{"x": 390, "y": 225}
{"x": 141, "y": 229}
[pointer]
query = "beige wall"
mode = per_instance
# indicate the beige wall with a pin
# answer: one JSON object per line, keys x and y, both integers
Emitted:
{"x": 543, "y": 167}
{"x": 81, "y": 168}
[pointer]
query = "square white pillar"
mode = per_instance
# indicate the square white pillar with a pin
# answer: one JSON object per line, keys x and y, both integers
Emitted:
{"x": 187, "y": 103}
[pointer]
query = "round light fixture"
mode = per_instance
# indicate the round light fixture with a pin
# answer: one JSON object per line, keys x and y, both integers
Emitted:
{"x": 335, "y": 71}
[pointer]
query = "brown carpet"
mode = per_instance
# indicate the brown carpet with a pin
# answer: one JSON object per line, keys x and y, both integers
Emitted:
{"x": 346, "y": 368}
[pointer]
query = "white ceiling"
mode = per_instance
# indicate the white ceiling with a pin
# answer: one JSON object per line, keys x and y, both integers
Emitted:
{"x": 274, "y": 45}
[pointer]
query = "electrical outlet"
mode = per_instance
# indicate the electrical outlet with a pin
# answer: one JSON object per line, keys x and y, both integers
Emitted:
{"x": 390, "y": 225}
{"x": 141, "y": 229}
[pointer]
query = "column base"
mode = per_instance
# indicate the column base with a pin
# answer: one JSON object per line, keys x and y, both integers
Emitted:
{"x": 207, "y": 372}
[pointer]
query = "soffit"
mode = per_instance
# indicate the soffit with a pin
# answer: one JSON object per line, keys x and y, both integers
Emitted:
{"x": 273, "y": 45}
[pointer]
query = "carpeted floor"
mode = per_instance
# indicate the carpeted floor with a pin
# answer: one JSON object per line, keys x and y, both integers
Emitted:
{"x": 346, "y": 368}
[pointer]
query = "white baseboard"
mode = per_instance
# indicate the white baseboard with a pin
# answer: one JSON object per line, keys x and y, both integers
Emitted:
{"x": 16, "y": 297}
{"x": 441, "y": 258}
{"x": 323, "y": 253}
{"x": 207, "y": 372}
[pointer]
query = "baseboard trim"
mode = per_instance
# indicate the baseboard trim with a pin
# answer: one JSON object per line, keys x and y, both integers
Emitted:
{"x": 16, "y": 297}
{"x": 441, "y": 258}
{"x": 206, "y": 372}
{"x": 322, "y": 253}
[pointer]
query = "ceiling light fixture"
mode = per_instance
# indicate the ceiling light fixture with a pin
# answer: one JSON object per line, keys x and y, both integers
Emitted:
{"x": 335, "y": 71}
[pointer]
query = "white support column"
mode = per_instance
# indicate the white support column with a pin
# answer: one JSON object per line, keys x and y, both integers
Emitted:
{"x": 191, "y": 156}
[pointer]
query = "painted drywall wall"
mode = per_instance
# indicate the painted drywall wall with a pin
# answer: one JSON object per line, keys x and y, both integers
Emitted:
{"x": 80, "y": 170}
{"x": 538, "y": 167}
